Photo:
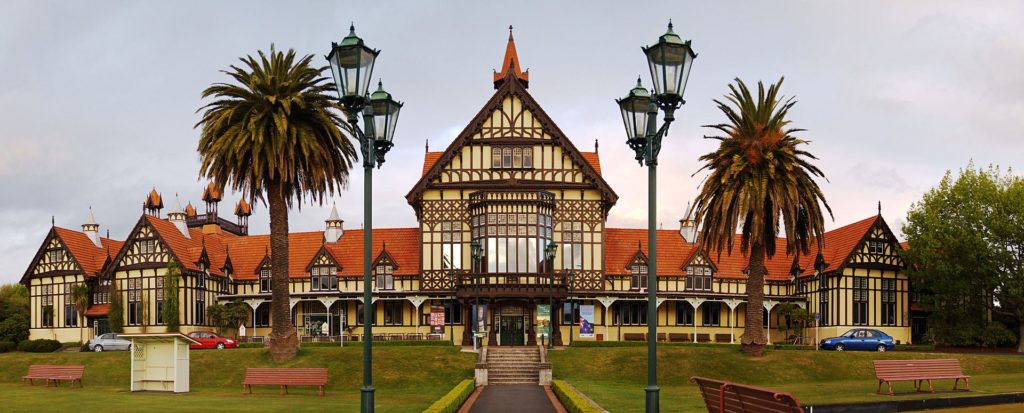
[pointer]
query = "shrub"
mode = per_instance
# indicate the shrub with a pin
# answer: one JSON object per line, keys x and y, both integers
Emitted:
{"x": 15, "y": 327}
{"x": 451, "y": 402}
{"x": 39, "y": 346}
{"x": 7, "y": 346}
{"x": 996, "y": 334}
{"x": 573, "y": 401}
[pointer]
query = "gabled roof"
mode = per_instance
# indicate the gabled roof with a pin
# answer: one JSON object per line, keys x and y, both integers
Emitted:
{"x": 88, "y": 255}
{"x": 186, "y": 251}
{"x": 622, "y": 245}
{"x": 429, "y": 159}
{"x": 512, "y": 87}
{"x": 839, "y": 244}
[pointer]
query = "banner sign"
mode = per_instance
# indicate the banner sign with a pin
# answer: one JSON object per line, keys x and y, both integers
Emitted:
{"x": 437, "y": 319}
{"x": 480, "y": 318}
{"x": 543, "y": 320}
{"x": 586, "y": 321}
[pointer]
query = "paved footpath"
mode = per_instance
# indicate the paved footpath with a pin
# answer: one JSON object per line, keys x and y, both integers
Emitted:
{"x": 513, "y": 398}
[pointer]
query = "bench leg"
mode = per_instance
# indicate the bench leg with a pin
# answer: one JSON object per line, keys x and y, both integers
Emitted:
{"x": 321, "y": 390}
{"x": 282, "y": 390}
{"x": 879, "y": 389}
{"x": 967, "y": 384}
{"x": 890, "y": 388}
{"x": 930, "y": 388}
{"x": 955, "y": 383}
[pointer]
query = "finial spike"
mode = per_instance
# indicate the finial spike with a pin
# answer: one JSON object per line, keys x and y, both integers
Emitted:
{"x": 510, "y": 32}
{"x": 879, "y": 207}
{"x": 426, "y": 146}
{"x": 669, "y": 24}
{"x": 595, "y": 145}
{"x": 53, "y": 221}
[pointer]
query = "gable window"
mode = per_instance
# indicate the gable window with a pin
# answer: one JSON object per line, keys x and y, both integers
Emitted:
{"x": 451, "y": 245}
{"x": 712, "y": 314}
{"x": 888, "y": 302}
{"x": 324, "y": 278}
{"x": 698, "y": 278}
{"x": 638, "y": 274}
{"x": 56, "y": 255}
{"x": 512, "y": 157}
{"x": 684, "y": 313}
{"x": 876, "y": 247}
{"x": 134, "y": 301}
{"x": 384, "y": 274}
{"x": 147, "y": 246}
{"x": 860, "y": 301}
{"x": 265, "y": 284}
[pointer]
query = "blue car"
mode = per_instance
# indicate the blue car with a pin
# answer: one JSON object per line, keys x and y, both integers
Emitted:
{"x": 859, "y": 339}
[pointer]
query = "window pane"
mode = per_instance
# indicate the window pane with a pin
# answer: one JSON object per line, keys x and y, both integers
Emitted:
{"x": 506, "y": 159}
{"x": 528, "y": 158}
{"x": 517, "y": 158}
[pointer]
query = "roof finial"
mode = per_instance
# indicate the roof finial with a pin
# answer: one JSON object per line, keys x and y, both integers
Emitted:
{"x": 426, "y": 147}
{"x": 510, "y": 32}
{"x": 595, "y": 145}
{"x": 879, "y": 207}
{"x": 669, "y": 24}
{"x": 53, "y": 221}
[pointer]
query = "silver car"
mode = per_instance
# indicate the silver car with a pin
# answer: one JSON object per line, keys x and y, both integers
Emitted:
{"x": 108, "y": 341}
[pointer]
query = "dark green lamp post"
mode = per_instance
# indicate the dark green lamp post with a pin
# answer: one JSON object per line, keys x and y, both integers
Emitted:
{"x": 573, "y": 307}
{"x": 549, "y": 253}
{"x": 669, "y": 60}
{"x": 477, "y": 252}
{"x": 352, "y": 66}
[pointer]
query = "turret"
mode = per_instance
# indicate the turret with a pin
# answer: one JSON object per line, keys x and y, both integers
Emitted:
{"x": 92, "y": 229}
{"x": 153, "y": 203}
{"x": 243, "y": 211}
{"x": 211, "y": 195}
{"x": 688, "y": 226}
{"x": 177, "y": 217}
{"x": 335, "y": 226}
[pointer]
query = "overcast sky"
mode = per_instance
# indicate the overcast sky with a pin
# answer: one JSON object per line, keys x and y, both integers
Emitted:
{"x": 98, "y": 99}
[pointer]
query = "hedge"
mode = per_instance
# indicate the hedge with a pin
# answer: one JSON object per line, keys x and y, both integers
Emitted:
{"x": 451, "y": 402}
{"x": 402, "y": 343}
{"x": 6, "y": 346}
{"x": 573, "y": 401}
{"x": 39, "y": 346}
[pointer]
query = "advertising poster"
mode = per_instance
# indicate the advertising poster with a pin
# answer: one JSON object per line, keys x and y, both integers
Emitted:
{"x": 480, "y": 318}
{"x": 586, "y": 321}
{"x": 437, "y": 319}
{"x": 543, "y": 320}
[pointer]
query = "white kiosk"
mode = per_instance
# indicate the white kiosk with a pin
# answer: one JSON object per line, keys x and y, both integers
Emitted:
{"x": 159, "y": 361}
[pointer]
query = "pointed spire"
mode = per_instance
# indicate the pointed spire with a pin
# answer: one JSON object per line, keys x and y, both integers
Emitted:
{"x": 335, "y": 226}
{"x": 92, "y": 229}
{"x": 177, "y": 217}
{"x": 511, "y": 65}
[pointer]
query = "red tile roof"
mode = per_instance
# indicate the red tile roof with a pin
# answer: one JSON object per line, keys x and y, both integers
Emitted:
{"x": 593, "y": 159}
{"x": 189, "y": 250}
{"x": 429, "y": 159}
{"x": 97, "y": 309}
{"x": 89, "y": 256}
{"x": 621, "y": 246}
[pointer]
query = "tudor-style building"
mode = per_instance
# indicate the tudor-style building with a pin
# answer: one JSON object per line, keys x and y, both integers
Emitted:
{"x": 511, "y": 183}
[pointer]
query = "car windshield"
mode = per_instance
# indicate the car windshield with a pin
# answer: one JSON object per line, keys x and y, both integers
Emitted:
{"x": 848, "y": 333}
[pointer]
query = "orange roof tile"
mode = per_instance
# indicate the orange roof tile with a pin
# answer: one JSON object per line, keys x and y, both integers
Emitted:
{"x": 89, "y": 256}
{"x": 97, "y": 309}
{"x": 621, "y": 246}
{"x": 593, "y": 159}
{"x": 511, "y": 63}
{"x": 189, "y": 250}
{"x": 429, "y": 159}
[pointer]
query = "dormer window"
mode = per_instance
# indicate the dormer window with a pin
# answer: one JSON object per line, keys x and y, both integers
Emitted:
{"x": 638, "y": 275}
{"x": 384, "y": 274}
{"x": 324, "y": 278}
{"x": 265, "y": 280}
{"x": 698, "y": 278}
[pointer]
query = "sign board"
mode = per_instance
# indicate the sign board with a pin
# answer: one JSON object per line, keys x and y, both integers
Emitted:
{"x": 586, "y": 321}
{"x": 817, "y": 316}
{"x": 480, "y": 318}
{"x": 543, "y": 320}
{"x": 437, "y": 319}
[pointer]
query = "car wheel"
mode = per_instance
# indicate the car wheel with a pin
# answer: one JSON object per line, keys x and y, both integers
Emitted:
{"x": 840, "y": 347}
{"x": 881, "y": 348}
{"x": 98, "y": 348}
{"x": 220, "y": 346}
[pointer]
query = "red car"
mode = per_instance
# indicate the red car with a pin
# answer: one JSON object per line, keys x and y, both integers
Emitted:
{"x": 208, "y": 339}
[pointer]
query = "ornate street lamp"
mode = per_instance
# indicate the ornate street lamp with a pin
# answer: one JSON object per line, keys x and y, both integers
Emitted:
{"x": 549, "y": 252}
{"x": 669, "y": 60}
{"x": 477, "y": 252}
{"x": 573, "y": 307}
{"x": 352, "y": 65}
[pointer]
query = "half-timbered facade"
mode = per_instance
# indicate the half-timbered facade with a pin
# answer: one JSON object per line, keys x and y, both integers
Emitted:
{"x": 511, "y": 183}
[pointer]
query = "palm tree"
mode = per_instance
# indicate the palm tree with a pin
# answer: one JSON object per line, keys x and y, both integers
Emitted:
{"x": 80, "y": 299}
{"x": 757, "y": 176}
{"x": 277, "y": 136}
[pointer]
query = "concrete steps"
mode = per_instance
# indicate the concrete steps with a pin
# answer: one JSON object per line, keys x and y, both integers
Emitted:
{"x": 513, "y": 365}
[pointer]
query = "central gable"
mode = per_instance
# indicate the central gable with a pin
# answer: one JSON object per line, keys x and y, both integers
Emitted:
{"x": 512, "y": 144}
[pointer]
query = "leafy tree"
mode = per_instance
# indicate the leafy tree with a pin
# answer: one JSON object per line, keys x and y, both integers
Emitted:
{"x": 967, "y": 253}
{"x": 115, "y": 320}
{"x": 171, "y": 300}
{"x": 759, "y": 175}
{"x": 277, "y": 136}
{"x": 227, "y": 317}
{"x": 80, "y": 299}
{"x": 14, "y": 313}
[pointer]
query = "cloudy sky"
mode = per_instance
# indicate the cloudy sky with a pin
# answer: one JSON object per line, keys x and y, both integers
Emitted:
{"x": 98, "y": 99}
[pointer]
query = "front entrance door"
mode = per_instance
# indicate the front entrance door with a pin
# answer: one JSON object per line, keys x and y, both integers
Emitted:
{"x": 512, "y": 330}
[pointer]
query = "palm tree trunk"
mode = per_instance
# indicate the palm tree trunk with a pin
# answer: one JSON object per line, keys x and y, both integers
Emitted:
{"x": 753, "y": 340}
{"x": 283, "y": 341}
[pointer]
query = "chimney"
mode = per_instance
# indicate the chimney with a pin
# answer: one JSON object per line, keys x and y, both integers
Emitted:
{"x": 688, "y": 226}
{"x": 177, "y": 217}
{"x": 334, "y": 226}
{"x": 92, "y": 229}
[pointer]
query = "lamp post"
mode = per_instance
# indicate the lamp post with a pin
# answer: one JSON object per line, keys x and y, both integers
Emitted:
{"x": 352, "y": 65}
{"x": 669, "y": 60}
{"x": 549, "y": 252}
{"x": 573, "y": 306}
{"x": 477, "y": 252}
{"x": 451, "y": 307}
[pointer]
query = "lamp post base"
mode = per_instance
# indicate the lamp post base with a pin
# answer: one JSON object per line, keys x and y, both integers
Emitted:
{"x": 652, "y": 399}
{"x": 366, "y": 400}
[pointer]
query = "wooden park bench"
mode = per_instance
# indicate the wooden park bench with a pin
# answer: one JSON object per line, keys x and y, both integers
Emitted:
{"x": 634, "y": 337}
{"x": 662, "y": 337}
{"x": 721, "y": 397}
{"x": 919, "y": 371}
{"x": 703, "y": 338}
{"x": 723, "y": 338}
{"x": 679, "y": 337}
{"x": 70, "y": 373}
{"x": 285, "y": 377}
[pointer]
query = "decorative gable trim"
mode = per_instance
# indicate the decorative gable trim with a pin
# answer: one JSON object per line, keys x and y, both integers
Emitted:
{"x": 129, "y": 242}
{"x": 699, "y": 257}
{"x": 893, "y": 261}
{"x": 323, "y": 256}
{"x": 41, "y": 252}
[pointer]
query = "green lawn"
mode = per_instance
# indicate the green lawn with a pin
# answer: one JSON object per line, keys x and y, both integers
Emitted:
{"x": 615, "y": 376}
{"x": 407, "y": 379}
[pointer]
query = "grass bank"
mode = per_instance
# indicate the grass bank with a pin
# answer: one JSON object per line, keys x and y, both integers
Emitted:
{"x": 407, "y": 379}
{"x": 615, "y": 376}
